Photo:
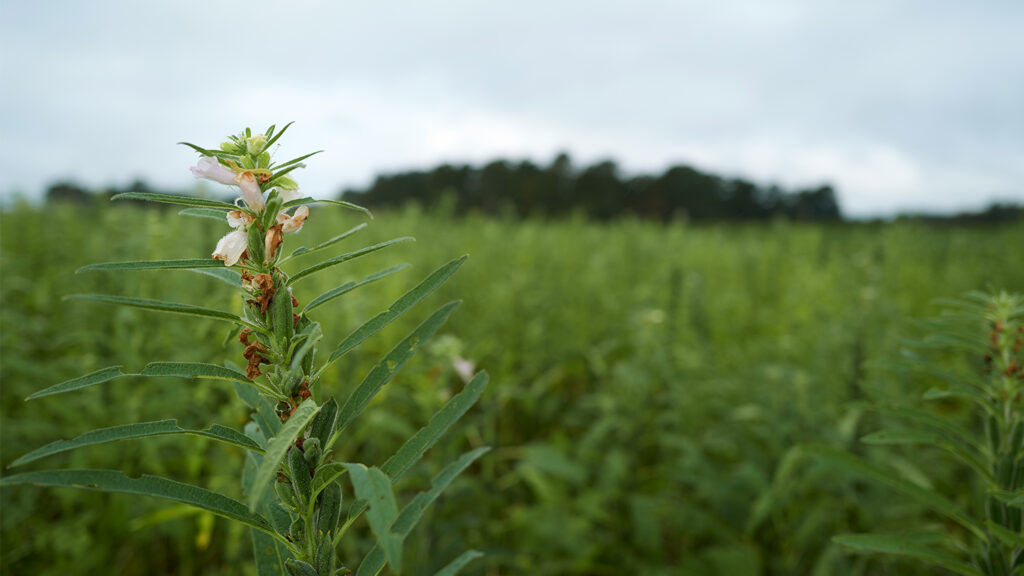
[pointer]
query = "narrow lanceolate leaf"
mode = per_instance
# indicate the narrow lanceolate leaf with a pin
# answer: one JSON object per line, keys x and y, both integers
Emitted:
{"x": 308, "y": 200}
{"x": 908, "y": 437}
{"x": 226, "y": 275}
{"x": 181, "y": 200}
{"x": 91, "y": 379}
{"x": 327, "y": 243}
{"x": 345, "y": 258}
{"x": 117, "y": 481}
{"x": 459, "y": 563}
{"x": 325, "y": 475}
{"x": 399, "y": 307}
{"x": 1009, "y": 498}
{"x": 382, "y": 373}
{"x": 278, "y": 447}
{"x": 426, "y": 437}
{"x": 139, "y": 430}
{"x": 373, "y": 487}
{"x": 1011, "y": 538}
{"x": 872, "y": 471}
{"x": 154, "y": 265}
{"x": 172, "y": 307}
{"x": 906, "y": 545}
{"x": 350, "y": 286}
{"x": 269, "y": 554}
{"x": 152, "y": 370}
{"x": 211, "y": 213}
{"x": 412, "y": 513}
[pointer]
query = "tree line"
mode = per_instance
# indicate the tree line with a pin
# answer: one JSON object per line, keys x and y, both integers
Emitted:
{"x": 600, "y": 191}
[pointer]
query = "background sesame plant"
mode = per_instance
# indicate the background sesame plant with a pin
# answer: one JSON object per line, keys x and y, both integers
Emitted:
{"x": 975, "y": 423}
{"x": 295, "y": 506}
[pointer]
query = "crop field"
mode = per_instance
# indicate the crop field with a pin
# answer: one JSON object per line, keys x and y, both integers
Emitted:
{"x": 651, "y": 387}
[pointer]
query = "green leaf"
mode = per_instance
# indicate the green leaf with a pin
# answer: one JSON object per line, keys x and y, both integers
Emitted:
{"x": 154, "y": 265}
{"x": 1009, "y": 537}
{"x": 350, "y": 286}
{"x": 270, "y": 555}
{"x": 911, "y": 437}
{"x": 278, "y": 446}
{"x": 943, "y": 425}
{"x": 91, "y": 379}
{"x": 412, "y": 513}
{"x": 326, "y": 244}
{"x": 325, "y": 475}
{"x": 211, "y": 213}
{"x": 117, "y": 481}
{"x": 386, "y": 369}
{"x": 1009, "y": 498}
{"x": 172, "y": 307}
{"x": 309, "y": 200}
{"x": 276, "y": 136}
{"x": 295, "y": 160}
{"x": 373, "y": 486}
{"x": 226, "y": 275}
{"x": 459, "y": 563}
{"x": 171, "y": 199}
{"x": 906, "y": 545}
{"x": 399, "y": 307}
{"x": 870, "y": 470}
{"x": 426, "y": 437}
{"x": 345, "y": 258}
{"x": 139, "y": 430}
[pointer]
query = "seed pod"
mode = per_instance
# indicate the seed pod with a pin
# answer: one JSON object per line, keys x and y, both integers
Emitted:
{"x": 269, "y": 216}
{"x": 255, "y": 245}
{"x": 299, "y": 568}
{"x": 281, "y": 315}
{"x": 311, "y": 451}
{"x": 286, "y": 493}
{"x": 325, "y": 554}
{"x": 323, "y": 424}
{"x": 328, "y": 515}
{"x": 300, "y": 473}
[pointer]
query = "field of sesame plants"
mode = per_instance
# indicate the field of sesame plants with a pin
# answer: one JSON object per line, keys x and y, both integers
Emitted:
{"x": 662, "y": 400}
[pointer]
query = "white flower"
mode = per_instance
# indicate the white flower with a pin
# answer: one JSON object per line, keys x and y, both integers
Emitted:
{"x": 294, "y": 222}
{"x": 289, "y": 195}
{"x": 211, "y": 169}
{"x": 250, "y": 190}
{"x": 464, "y": 368}
{"x": 231, "y": 246}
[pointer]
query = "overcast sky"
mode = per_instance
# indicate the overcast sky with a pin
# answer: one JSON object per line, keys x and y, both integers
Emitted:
{"x": 901, "y": 105}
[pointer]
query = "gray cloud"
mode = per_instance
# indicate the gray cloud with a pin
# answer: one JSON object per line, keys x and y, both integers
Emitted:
{"x": 899, "y": 104}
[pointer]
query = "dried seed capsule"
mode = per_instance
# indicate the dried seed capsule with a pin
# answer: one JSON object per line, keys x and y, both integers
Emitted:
{"x": 328, "y": 515}
{"x": 299, "y": 568}
{"x": 300, "y": 473}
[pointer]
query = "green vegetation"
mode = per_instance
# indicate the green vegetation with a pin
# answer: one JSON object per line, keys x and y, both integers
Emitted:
{"x": 651, "y": 388}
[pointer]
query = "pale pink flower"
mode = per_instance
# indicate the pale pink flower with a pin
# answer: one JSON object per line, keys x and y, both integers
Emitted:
{"x": 210, "y": 168}
{"x": 294, "y": 222}
{"x": 250, "y": 190}
{"x": 464, "y": 368}
{"x": 289, "y": 195}
{"x": 231, "y": 247}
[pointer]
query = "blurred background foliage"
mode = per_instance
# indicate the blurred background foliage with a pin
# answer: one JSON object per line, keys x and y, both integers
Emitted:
{"x": 649, "y": 384}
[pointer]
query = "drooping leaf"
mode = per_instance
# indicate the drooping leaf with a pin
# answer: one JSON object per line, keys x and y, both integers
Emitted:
{"x": 172, "y": 307}
{"x": 171, "y": 199}
{"x": 153, "y": 369}
{"x": 139, "y": 430}
{"x": 459, "y": 563}
{"x": 91, "y": 379}
{"x": 373, "y": 487}
{"x": 399, "y": 307}
{"x": 350, "y": 286}
{"x": 308, "y": 200}
{"x": 413, "y": 511}
{"x": 906, "y": 545}
{"x": 154, "y": 265}
{"x": 870, "y": 470}
{"x": 278, "y": 447}
{"x": 345, "y": 258}
{"x": 386, "y": 369}
{"x": 211, "y": 213}
{"x": 426, "y": 437}
{"x": 117, "y": 481}
{"x": 327, "y": 243}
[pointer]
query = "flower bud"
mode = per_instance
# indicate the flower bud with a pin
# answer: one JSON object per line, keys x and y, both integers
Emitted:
{"x": 255, "y": 144}
{"x": 285, "y": 183}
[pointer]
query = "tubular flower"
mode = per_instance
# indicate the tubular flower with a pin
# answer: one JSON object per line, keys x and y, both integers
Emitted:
{"x": 210, "y": 168}
{"x": 294, "y": 222}
{"x": 231, "y": 247}
{"x": 250, "y": 190}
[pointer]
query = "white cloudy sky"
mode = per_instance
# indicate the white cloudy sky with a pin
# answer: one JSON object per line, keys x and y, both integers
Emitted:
{"x": 901, "y": 105}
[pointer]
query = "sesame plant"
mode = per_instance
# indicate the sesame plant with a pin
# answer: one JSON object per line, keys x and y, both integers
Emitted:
{"x": 294, "y": 497}
{"x": 982, "y": 534}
